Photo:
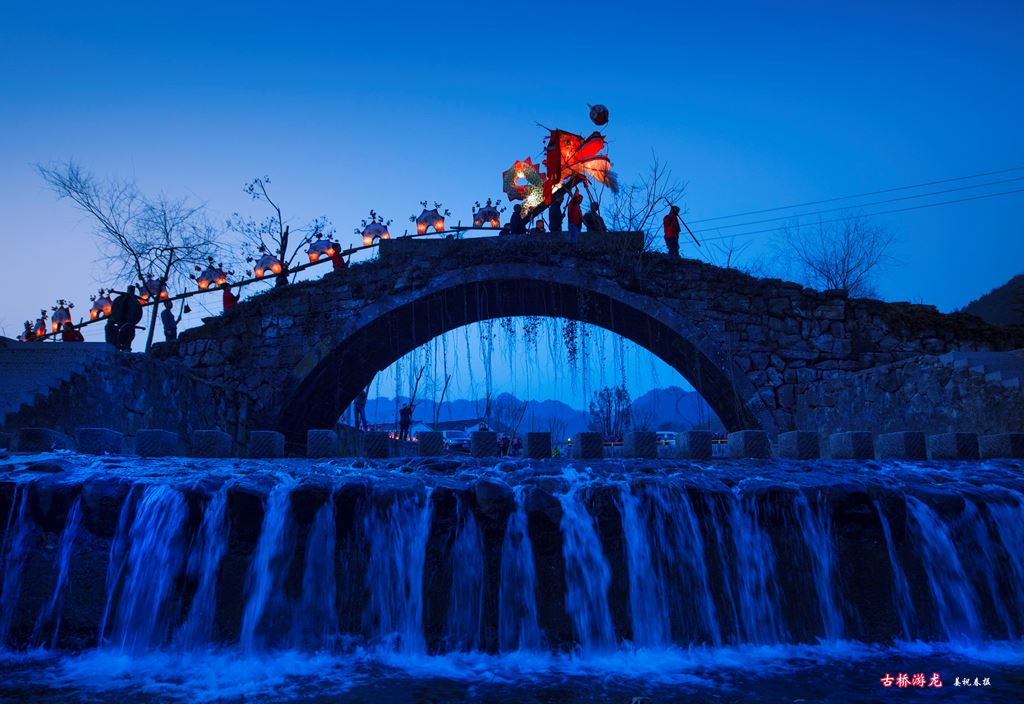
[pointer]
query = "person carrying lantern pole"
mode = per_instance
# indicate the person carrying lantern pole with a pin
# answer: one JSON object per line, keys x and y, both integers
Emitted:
{"x": 360, "y": 406}
{"x": 69, "y": 334}
{"x": 230, "y": 299}
{"x": 125, "y": 314}
{"x": 594, "y": 221}
{"x": 169, "y": 322}
{"x": 574, "y": 213}
{"x": 517, "y": 223}
{"x": 405, "y": 420}
{"x": 671, "y": 226}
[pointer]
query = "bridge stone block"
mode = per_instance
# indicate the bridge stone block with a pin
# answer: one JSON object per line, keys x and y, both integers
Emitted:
{"x": 5, "y": 441}
{"x": 100, "y": 441}
{"x": 587, "y": 446}
{"x": 1009, "y": 445}
{"x": 693, "y": 445}
{"x": 640, "y": 444}
{"x": 954, "y": 446}
{"x": 375, "y": 444}
{"x": 429, "y": 444}
{"x": 483, "y": 443}
{"x": 538, "y": 446}
{"x": 321, "y": 443}
{"x": 749, "y": 444}
{"x": 800, "y": 445}
{"x": 266, "y": 444}
{"x": 211, "y": 443}
{"x": 42, "y": 440}
{"x": 402, "y": 448}
{"x": 853, "y": 445}
{"x": 158, "y": 443}
{"x": 901, "y": 446}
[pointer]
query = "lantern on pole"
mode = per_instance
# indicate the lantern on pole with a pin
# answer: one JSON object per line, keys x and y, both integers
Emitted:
{"x": 40, "y": 327}
{"x": 101, "y": 305}
{"x": 154, "y": 288}
{"x": 432, "y": 218}
{"x": 319, "y": 248}
{"x": 598, "y": 114}
{"x": 61, "y": 314}
{"x": 211, "y": 275}
{"x": 266, "y": 264}
{"x": 487, "y": 215}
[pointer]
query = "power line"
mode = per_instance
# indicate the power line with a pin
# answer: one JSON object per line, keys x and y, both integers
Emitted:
{"x": 859, "y": 195}
{"x": 881, "y": 212}
{"x": 864, "y": 205}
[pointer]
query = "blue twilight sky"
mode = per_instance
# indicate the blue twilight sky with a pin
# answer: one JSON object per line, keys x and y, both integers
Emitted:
{"x": 380, "y": 106}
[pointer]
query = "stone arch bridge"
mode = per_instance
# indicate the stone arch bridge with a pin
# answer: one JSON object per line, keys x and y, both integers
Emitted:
{"x": 764, "y": 353}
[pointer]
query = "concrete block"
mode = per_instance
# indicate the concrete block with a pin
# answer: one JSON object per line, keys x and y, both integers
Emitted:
{"x": 800, "y": 445}
{"x": 587, "y": 446}
{"x": 749, "y": 444}
{"x": 483, "y": 443}
{"x": 640, "y": 444}
{"x": 693, "y": 445}
{"x": 5, "y": 441}
{"x": 266, "y": 444}
{"x": 321, "y": 443}
{"x": 211, "y": 443}
{"x": 42, "y": 440}
{"x": 375, "y": 444}
{"x": 100, "y": 441}
{"x": 901, "y": 446}
{"x": 1002, "y": 445}
{"x": 429, "y": 444}
{"x": 538, "y": 446}
{"x": 854, "y": 445}
{"x": 402, "y": 448}
{"x": 158, "y": 443}
{"x": 954, "y": 446}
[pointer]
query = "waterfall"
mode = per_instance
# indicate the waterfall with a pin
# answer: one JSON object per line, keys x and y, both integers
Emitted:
{"x": 397, "y": 536}
{"x": 466, "y": 603}
{"x": 750, "y": 575}
{"x": 648, "y": 605}
{"x": 153, "y": 563}
{"x": 815, "y": 527}
{"x": 12, "y": 558}
{"x": 51, "y": 613}
{"x": 982, "y": 548}
{"x": 116, "y": 562}
{"x": 954, "y": 597}
{"x": 270, "y": 563}
{"x": 587, "y": 576}
{"x": 203, "y": 564}
{"x": 1008, "y": 520}
{"x": 901, "y": 590}
{"x": 517, "y": 599}
{"x": 316, "y": 619}
{"x": 680, "y": 564}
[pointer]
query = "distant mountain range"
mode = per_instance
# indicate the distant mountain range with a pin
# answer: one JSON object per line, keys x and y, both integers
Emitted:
{"x": 669, "y": 408}
{"x": 1003, "y": 305}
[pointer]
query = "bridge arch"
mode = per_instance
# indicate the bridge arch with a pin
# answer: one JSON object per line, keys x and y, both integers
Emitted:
{"x": 352, "y": 350}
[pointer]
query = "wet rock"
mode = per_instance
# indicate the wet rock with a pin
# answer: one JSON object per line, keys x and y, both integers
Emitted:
{"x": 102, "y": 501}
{"x": 50, "y": 502}
{"x": 44, "y": 467}
{"x": 245, "y": 512}
{"x": 494, "y": 498}
{"x": 306, "y": 500}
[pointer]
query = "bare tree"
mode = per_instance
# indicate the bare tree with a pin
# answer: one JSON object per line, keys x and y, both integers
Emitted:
{"x": 141, "y": 238}
{"x": 845, "y": 254}
{"x": 637, "y": 206}
{"x": 611, "y": 411}
{"x": 273, "y": 233}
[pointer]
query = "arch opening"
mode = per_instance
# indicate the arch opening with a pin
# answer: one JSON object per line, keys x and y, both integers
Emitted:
{"x": 383, "y": 336}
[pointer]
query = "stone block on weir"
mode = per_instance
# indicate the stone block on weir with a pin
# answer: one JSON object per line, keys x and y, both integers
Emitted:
{"x": 1010, "y": 445}
{"x": 693, "y": 445}
{"x": 266, "y": 444}
{"x": 800, "y": 445}
{"x": 909, "y": 445}
{"x": 538, "y": 446}
{"x": 211, "y": 443}
{"x": 587, "y": 446}
{"x": 429, "y": 443}
{"x": 375, "y": 444}
{"x": 483, "y": 443}
{"x": 852, "y": 445}
{"x": 158, "y": 443}
{"x": 321, "y": 443}
{"x": 752, "y": 444}
{"x": 954, "y": 446}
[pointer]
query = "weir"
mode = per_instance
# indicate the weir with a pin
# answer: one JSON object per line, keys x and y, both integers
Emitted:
{"x": 534, "y": 556}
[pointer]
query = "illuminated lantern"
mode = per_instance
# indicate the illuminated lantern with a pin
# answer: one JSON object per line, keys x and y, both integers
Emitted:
{"x": 599, "y": 115}
{"x": 373, "y": 229}
{"x": 211, "y": 275}
{"x": 61, "y": 314}
{"x": 486, "y": 216}
{"x": 430, "y": 218}
{"x": 267, "y": 264}
{"x": 40, "y": 328}
{"x": 154, "y": 288}
{"x": 317, "y": 249}
{"x": 532, "y": 191}
{"x": 100, "y": 305}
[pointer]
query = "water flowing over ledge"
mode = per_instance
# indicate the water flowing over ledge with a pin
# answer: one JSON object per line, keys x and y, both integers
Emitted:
{"x": 665, "y": 573}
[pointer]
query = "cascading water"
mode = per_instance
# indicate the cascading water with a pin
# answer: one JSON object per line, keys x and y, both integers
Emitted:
{"x": 517, "y": 601}
{"x": 49, "y": 617}
{"x": 587, "y": 576}
{"x": 662, "y": 575}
